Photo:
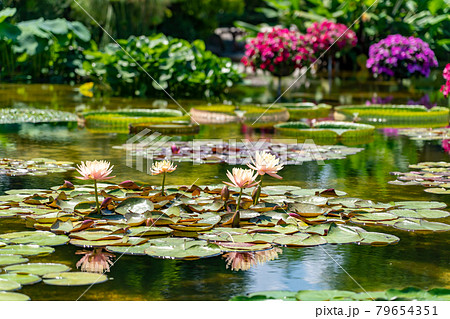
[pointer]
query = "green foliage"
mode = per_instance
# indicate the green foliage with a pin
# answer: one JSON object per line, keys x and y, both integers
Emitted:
{"x": 41, "y": 50}
{"x": 298, "y": 111}
{"x": 181, "y": 68}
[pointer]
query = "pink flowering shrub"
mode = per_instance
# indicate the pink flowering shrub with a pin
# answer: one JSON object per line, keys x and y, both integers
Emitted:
{"x": 323, "y": 35}
{"x": 279, "y": 51}
{"x": 445, "y": 89}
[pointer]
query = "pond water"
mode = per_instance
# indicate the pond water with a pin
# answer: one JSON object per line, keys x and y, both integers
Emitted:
{"x": 420, "y": 260}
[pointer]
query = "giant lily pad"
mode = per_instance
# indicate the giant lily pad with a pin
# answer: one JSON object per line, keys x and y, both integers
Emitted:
{"x": 184, "y": 250}
{"x": 42, "y": 238}
{"x": 74, "y": 278}
{"x": 342, "y": 235}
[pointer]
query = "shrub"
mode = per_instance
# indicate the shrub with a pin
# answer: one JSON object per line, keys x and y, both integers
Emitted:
{"x": 401, "y": 57}
{"x": 183, "y": 69}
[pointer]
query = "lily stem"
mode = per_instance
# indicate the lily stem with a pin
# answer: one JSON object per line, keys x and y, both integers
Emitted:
{"x": 259, "y": 190}
{"x": 162, "y": 187}
{"x": 239, "y": 200}
{"x": 96, "y": 197}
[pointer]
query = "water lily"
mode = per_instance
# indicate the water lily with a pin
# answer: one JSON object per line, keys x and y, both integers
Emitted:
{"x": 246, "y": 260}
{"x": 95, "y": 261}
{"x": 162, "y": 167}
{"x": 264, "y": 163}
{"x": 96, "y": 171}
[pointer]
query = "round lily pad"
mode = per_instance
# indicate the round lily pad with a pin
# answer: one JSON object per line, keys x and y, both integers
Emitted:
{"x": 230, "y": 246}
{"x": 322, "y": 295}
{"x": 342, "y": 235}
{"x": 421, "y": 225}
{"x": 135, "y": 205}
{"x": 9, "y": 285}
{"x": 13, "y": 296}
{"x": 408, "y": 213}
{"x": 39, "y": 269}
{"x": 188, "y": 250}
{"x": 437, "y": 190}
{"x": 421, "y": 205}
{"x": 74, "y": 278}
{"x": 129, "y": 250}
{"x": 6, "y": 260}
{"x": 433, "y": 213}
{"x": 377, "y": 239}
{"x": 42, "y": 238}
{"x": 26, "y": 250}
{"x": 300, "y": 240}
{"x": 23, "y": 279}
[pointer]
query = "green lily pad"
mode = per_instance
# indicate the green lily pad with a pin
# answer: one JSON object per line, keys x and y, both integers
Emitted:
{"x": 373, "y": 295}
{"x": 42, "y": 238}
{"x": 275, "y": 294}
{"x": 437, "y": 190}
{"x": 339, "y": 234}
{"x": 74, "y": 279}
{"x": 13, "y": 296}
{"x": 149, "y": 231}
{"x": 6, "y": 260}
{"x": 39, "y": 269}
{"x": 187, "y": 250}
{"x": 408, "y": 213}
{"x": 420, "y": 205}
{"x": 9, "y": 285}
{"x": 377, "y": 216}
{"x": 300, "y": 240}
{"x": 23, "y": 279}
{"x": 306, "y": 210}
{"x": 135, "y": 205}
{"x": 421, "y": 225}
{"x": 378, "y": 239}
{"x": 26, "y": 250}
{"x": 129, "y": 250}
{"x": 410, "y": 293}
{"x": 230, "y": 247}
{"x": 433, "y": 213}
{"x": 314, "y": 191}
{"x": 322, "y": 295}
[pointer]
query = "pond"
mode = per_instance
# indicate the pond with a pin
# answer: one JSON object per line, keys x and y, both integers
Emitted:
{"x": 417, "y": 260}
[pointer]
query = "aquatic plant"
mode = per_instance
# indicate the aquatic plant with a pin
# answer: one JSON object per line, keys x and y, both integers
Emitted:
{"x": 32, "y": 115}
{"x": 166, "y": 128}
{"x": 445, "y": 89}
{"x": 96, "y": 171}
{"x": 401, "y": 57}
{"x": 391, "y": 115}
{"x": 264, "y": 163}
{"x": 33, "y": 167}
{"x": 163, "y": 167}
{"x": 238, "y": 153}
{"x": 306, "y": 110}
{"x": 405, "y": 294}
{"x": 97, "y": 260}
{"x": 327, "y": 131}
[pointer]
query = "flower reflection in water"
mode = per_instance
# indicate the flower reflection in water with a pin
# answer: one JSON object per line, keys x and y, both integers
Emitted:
{"x": 246, "y": 260}
{"x": 97, "y": 260}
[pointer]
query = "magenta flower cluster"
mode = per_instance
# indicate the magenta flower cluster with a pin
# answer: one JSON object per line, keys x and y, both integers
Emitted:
{"x": 279, "y": 51}
{"x": 401, "y": 57}
{"x": 325, "y": 35}
{"x": 445, "y": 89}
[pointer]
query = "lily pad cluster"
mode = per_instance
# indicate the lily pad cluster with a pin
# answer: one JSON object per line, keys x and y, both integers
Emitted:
{"x": 33, "y": 167}
{"x": 214, "y": 152}
{"x": 405, "y": 294}
{"x": 306, "y": 110}
{"x": 433, "y": 175}
{"x": 16, "y": 250}
{"x": 32, "y": 115}
{"x": 195, "y": 222}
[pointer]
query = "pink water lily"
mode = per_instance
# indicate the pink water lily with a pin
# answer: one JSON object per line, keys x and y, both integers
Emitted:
{"x": 96, "y": 261}
{"x": 242, "y": 178}
{"x": 162, "y": 167}
{"x": 266, "y": 163}
{"x": 96, "y": 170}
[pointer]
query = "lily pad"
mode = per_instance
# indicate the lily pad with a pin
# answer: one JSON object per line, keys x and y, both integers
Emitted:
{"x": 135, "y": 205}
{"x": 420, "y": 205}
{"x": 74, "y": 279}
{"x": 23, "y": 279}
{"x": 9, "y": 285}
{"x": 342, "y": 235}
{"x": 39, "y": 269}
{"x": 300, "y": 240}
{"x": 13, "y": 296}
{"x": 6, "y": 260}
{"x": 187, "y": 250}
{"x": 421, "y": 225}
{"x": 26, "y": 250}
{"x": 42, "y": 238}
{"x": 322, "y": 295}
{"x": 377, "y": 239}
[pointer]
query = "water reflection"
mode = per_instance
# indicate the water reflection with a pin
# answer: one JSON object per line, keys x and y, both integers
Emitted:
{"x": 96, "y": 260}
{"x": 246, "y": 260}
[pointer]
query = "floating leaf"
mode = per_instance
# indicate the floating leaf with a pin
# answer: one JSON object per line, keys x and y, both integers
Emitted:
{"x": 6, "y": 260}
{"x": 74, "y": 278}
{"x": 186, "y": 250}
{"x": 134, "y": 205}
{"x": 39, "y": 269}
{"x": 42, "y": 238}
{"x": 26, "y": 250}
{"x": 23, "y": 279}
{"x": 377, "y": 239}
{"x": 9, "y": 285}
{"x": 420, "y": 205}
{"x": 420, "y": 225}
{"x": 321, "y": 295}
{"x": 13, "y": 296}
{"x": 342, "y": 235}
